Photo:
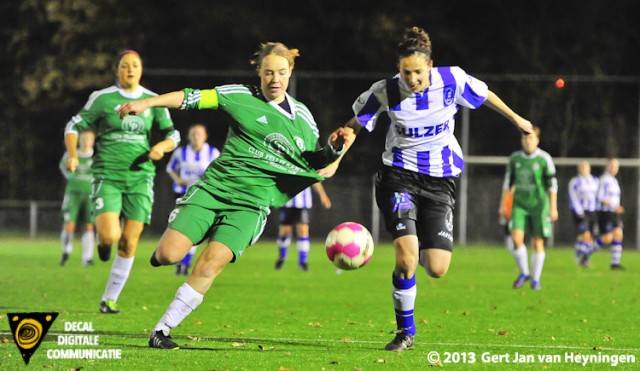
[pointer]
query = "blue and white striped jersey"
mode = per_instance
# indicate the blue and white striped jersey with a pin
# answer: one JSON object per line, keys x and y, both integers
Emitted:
{"x": 608, "y": 191}
{"x": 420, "y": 137}
{"x": 190, "y": 165}
{"x": 583, "y": 192}
{"x": 303, "y": 200}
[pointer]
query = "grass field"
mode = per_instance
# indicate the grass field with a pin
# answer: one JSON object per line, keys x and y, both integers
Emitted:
{"x": 256, "y": 318}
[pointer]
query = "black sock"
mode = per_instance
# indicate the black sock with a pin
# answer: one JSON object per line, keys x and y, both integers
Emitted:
{"x": 154, "y": 261}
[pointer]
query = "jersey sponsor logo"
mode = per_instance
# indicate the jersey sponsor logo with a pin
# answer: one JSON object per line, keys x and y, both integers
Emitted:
{"x": 133, "y": 124}
{"x": 423, "y": 132}
{"x": 446, "y": 235}
{"x": 279, "y": 144}
{"x": 401, "y": 226}
{"x": 262, "y": 120}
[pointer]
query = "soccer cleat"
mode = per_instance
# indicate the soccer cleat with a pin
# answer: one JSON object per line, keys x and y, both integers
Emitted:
{"x": 279, "y": 263}
{"x": 535, "y": 285}
{"x": 161, "y": 341}
{"x": 617, "y": 267}
{"x": 88, "y": 263}
{"x": 104, "y": 252}
{"x": 584, "y": 261}
{"x": 400, "y": 343}
{"x": 109, "y": 307}
{"x": 64, "y": 258}
{"x": 304, "y": 267}
{"x": 519, "y": 282}
{"x": 179, "y": 268}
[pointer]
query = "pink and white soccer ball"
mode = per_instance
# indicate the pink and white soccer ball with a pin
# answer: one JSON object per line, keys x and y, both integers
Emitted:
{"x": 349, "y": 246}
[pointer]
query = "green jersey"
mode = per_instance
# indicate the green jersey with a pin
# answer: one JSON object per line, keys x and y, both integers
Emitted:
{"x": 533, "y": 176}
{"x": 122, "y": 146}
{"x": 80, "y": 180}
{"x": 270, "y": 153}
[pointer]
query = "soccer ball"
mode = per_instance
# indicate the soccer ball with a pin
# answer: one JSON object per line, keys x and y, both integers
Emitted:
{"x": 349, "y": 246}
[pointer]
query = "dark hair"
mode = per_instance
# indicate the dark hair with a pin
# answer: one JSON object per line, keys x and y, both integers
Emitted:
{"x": 415, "y": 40}
{"x": 123, "y": 53}
{"x": 276, "y": 48}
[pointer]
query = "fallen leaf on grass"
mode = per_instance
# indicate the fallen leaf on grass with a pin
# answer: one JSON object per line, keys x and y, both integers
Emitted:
{"x": 194, "y": 338}
{"x": 502, "y": 333}
{"x": 236, "y": 344}
{"x": 380, "y": 360}
{"x": 315, "y": 324}
{"x": 5, "y": 340}
{"x": 265, "y": 349}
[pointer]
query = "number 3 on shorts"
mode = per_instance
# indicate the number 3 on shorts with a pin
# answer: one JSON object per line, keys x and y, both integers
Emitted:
{"x": 99, "y": 203}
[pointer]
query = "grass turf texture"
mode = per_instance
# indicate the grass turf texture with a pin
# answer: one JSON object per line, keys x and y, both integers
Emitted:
{"x": 257, "y": 318}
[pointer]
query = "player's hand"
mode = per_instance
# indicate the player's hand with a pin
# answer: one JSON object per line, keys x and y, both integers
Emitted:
{"x": 342, "y": 138}
{"x": 72, "y": 164}
{"x": 524, "y": 125}
{"x": 133, "y": 107}
{"x": 619, "y": 210}
{"x": 553, "y": 215}
{"x": 329, "y": 171}
{"x": 156, "y": 153}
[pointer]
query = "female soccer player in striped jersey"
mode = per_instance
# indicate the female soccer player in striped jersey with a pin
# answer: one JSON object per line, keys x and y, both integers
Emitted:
{"x": 270, "y": 155}
{"x": 415, "y": 186}
{"x": 610, "y": 212}
{"x": 583, "y": 192}
{"x": 122, "y": 166}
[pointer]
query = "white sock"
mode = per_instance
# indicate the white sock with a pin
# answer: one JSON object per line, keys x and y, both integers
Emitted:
{"x": 67, "y": 241}
{"x": 186, "y": 301}
{"x": 537, "y": 262}
{"x": 616, "y": 252}
{"x": 118, "y": 277}
{"x": 88, "y": 243}
{"x": 521, "y": 259}
{"x": 193, "y": 250}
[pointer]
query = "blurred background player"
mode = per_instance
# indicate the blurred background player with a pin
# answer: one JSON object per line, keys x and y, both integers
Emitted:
{"x": 123, "y": 168}
{"x": 610, "y": 212}
{"x": 532, "y": 175}
{"x": 583, "y": 191}
{"x": 506, "y": 204}
{"x": 186, "y": 166}
{"x": 77, "y": 205}
{"x": 296, "y": 213}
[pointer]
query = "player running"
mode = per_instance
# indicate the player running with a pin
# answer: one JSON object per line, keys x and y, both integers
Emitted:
{"x": 532, "y": 175}
{"x": 610, "y": 213}
{"x": 123, "y": 169}
{"x": 76, "y": 204}
{"x": 186, "y": 166}
{"x": 415, "y": 187}
{"x": 270, "y": 155}
{"x": 296, "y": 213}
{"x": 583, "y": 191}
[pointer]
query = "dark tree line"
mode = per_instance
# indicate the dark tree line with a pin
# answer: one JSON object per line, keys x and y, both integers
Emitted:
{"x": 55, "y": 52}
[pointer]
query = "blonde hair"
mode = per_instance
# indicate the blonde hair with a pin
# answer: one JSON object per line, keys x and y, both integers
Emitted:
{"x": 274, "y": 48}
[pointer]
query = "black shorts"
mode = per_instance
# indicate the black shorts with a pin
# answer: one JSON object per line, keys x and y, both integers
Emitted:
{"x": 608, "y": 220}
{"x": 417, "y": 204}
{"x": 586, "y": 222}
{"x": 292, "y": 216}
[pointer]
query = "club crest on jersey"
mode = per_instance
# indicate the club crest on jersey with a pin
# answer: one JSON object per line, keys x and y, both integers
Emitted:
{"x": 132, "y": 123}
{"x": 448, "y": 95}
{"x": 299, "y": 143}
{"x": 279, "y": 144}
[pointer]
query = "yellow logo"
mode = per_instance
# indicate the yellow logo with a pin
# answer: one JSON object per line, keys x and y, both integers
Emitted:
{"x": 28, "y": 330}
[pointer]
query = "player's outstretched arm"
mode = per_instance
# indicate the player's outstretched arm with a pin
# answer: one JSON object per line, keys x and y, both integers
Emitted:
{"x": 495, "y": 103}
{"x": 168, "y": 100}
{"x": 351, "y": 128}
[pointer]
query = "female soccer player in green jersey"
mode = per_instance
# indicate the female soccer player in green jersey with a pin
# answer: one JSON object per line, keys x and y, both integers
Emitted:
{"x": 122, "y": 167}
{"x": 270, "y": 155}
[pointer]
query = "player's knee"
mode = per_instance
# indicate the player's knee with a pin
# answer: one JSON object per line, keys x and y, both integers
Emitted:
{"x": 437, "y": 271}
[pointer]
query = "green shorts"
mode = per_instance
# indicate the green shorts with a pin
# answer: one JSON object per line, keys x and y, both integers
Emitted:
{"x": 534, "y": 224}
{"x": 200, "y": 215}
{"x": 77, "y": 206}
{"x": 132, "y": 197}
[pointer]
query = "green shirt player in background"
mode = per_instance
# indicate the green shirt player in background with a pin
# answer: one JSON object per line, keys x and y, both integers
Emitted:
{"x": 77, "y": 205}
{"x": 123, "y": 170}
{"x": 269, "y": 156}
{"x": 531, "y": 175}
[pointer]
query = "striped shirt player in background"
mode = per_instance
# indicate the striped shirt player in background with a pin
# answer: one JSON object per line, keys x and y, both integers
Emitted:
{"x": 77, "y": 205}
{"x": 583, "y": 191}
{"x": 186, "y": 166}
{"x": 296, "y": 213}
{"x": 123, "y": 168}
{"x": 269, "y": 156}
{"x": 415, "y": 187}
{"x": 531, "y": 176}
{"x": 610, "y": 213}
